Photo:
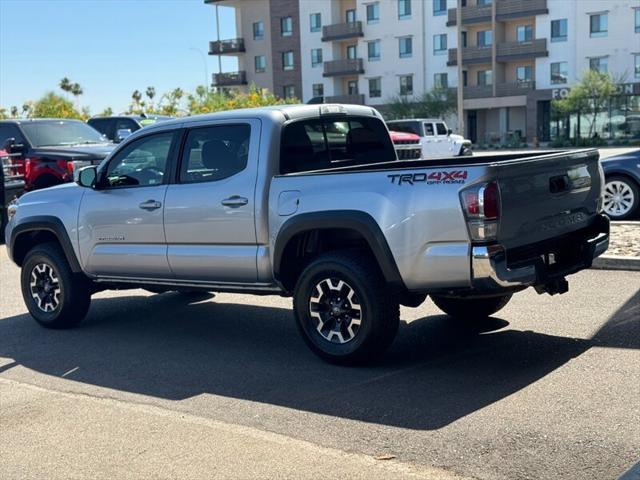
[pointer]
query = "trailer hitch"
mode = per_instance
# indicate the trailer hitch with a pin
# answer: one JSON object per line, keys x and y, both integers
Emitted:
{"x": 553, "y": 287}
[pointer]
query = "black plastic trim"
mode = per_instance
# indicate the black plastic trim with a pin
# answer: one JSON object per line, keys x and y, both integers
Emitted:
{"x": 361, "y": 222}
{"x": 50, "y": 224}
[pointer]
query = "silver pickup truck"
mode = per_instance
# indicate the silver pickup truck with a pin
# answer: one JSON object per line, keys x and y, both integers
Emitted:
{"x": 308, "y": 201}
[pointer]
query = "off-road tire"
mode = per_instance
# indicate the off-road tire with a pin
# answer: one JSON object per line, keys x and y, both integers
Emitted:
{"x": 73, "y": 290}
{"x": 379, "y": 311}
{"x": 470, "y": 308}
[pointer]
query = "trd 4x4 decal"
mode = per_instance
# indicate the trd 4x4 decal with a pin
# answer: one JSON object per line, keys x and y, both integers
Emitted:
{"x": 444, "y": 177}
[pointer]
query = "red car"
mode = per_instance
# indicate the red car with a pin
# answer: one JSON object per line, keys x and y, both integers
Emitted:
{"x": 407, "y": 145}
{"x": 46, "y": 151}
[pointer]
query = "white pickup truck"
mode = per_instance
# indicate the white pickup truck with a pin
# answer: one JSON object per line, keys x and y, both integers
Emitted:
{"x": 436, "y": 138}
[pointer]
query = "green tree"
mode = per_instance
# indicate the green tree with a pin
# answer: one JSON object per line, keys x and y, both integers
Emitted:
{"x": 204, "y": 101}
{"x": 66, "y": 85}
{"x": 150, "y": 93}
{"x": 14, "y": 111}
{"x": 436, "y": 103}
{"x": 589, "y": 97}
{"x": 169, "y": 103}
{"x": 107, "y": 112}
{"x": 27, "y": 109}
{"x": 135, "y": 106}
{"x": 52, "y": 105}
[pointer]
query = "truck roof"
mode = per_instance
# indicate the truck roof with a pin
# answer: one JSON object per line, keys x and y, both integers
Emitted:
{"x": 275, "y": 113}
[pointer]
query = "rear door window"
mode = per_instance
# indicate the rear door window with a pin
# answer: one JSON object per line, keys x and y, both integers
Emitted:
{"x": 428, "y": 130}
{"x": 325, "y": 143}
{"x": 406, "y": 127}
{"x": 103, "y": 125}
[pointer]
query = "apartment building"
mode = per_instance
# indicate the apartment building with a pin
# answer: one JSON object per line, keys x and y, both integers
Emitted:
{"x": 266, "y": 47}
{"x": 517, "y": 56}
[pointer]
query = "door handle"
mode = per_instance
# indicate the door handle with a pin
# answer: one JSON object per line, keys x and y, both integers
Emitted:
{"x": 150, "y": 205}
{"x": 235, "y": 201}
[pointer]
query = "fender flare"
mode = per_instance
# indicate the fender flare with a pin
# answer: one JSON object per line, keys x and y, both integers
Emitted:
{"x": 356, "y": 220}
{"x": 50, "y": 224}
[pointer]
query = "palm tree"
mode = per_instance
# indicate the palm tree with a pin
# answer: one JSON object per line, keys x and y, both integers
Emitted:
{"x": 65, "y": 85}
{"x": 136, "y": 96}
{"x": 14, "y": 111}
{"x": 151, "y": 92}
{"x": 76, "y": 91}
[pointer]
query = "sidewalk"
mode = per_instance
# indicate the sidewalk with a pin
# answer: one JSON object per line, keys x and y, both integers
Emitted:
{"x": 46, "y": 434}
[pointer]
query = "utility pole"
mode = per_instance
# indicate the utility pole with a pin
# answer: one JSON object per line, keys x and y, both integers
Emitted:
{"x": 459, "y": 63}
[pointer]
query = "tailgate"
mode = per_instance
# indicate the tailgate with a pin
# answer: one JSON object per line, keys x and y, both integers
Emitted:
{"x": 547, "y": 196}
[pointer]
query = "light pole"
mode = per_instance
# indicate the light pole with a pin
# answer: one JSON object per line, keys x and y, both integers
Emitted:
{"x": 206, "y": 71}
{"x": 460, "y": 97}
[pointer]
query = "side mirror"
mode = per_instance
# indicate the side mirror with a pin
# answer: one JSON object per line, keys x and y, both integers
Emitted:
{"x": 122, "y": 134}
{"x": 10, "y": 146}
{"x": 86, "y": 177}
{"x": 449, "y": 131}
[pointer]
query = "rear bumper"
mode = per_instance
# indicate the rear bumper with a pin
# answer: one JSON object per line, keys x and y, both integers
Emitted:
{"x": 496, "y": 269}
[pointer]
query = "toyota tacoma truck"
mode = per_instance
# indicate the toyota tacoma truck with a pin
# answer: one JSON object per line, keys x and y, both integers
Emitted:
{"x": 308, "y": 201}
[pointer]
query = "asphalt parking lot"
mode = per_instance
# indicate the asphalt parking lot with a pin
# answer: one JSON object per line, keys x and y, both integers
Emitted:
{"x": 163, "y": 386}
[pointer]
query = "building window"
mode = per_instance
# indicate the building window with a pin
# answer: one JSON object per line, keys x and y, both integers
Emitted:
{"x": 404, "y": 9}
{"x": 524, "y": 33}
{"x": 484, "y": 38}
{"x": 350, "y": 16}
{"x": 485, "y": 78}
{"x": 440, "y": 80}
{"x": 373, "y": 50}
{"x": 484, "y": 2}
{"x": 287, "y": 60}
{"x": 598, "y": 25}
{"x": 599, "y": 64}
{"x": 352, "y": 87}
{"x": 289, "y": 91}
{"x": 559, "y": 30}
{"x": 316, "y": 57}
{"x": 637, "y": 20}
{"x": 524, "y": 73}
{"x": 559, "y": 73}
{"x": 406, "y": 47}
{"x": 375, "y": 87}
{"x": 258, "y": 30}
{"x": 373, "y": 13}
{"x": 317, "y": 90}
{"x": 315, "y": 20}
{"x": 406, "y": 84}
{"x": 352, "y": 52}
{"x": 439, "y": 7}
{"x": 286, "y": 26}
{"x": 440, "y": 44}
{"x": 636, "y": 67}
{"x": 260, "y": 62}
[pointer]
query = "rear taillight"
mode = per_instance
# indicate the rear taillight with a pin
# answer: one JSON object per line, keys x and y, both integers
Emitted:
{"x": 481, "y": 204}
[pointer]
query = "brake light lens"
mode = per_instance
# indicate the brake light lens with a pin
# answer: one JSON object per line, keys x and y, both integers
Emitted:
{"x": 481, "y": 204}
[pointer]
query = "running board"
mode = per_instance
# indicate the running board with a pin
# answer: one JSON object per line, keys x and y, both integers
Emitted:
{"x": 254, "y": 288}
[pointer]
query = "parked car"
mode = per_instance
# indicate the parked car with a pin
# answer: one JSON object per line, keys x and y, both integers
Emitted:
{"x": 264, "y": 201}
{"x": 117, "y": 128}
{"x": 622, "y": 187}
{"x": 436, "y": 138}
{"x": 407, "y": 145}
{"x": 46, "y": 151}
{"x": 11, "y": 186}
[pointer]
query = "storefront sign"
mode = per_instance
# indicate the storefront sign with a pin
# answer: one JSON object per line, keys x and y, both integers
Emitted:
{"x": 623, "y": 89}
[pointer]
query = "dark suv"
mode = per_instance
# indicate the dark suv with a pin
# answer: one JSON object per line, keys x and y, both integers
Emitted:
{"x": 118, "y": 128}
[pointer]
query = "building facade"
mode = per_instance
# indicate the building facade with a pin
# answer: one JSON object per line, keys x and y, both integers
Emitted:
{"x": 517, "y": 56}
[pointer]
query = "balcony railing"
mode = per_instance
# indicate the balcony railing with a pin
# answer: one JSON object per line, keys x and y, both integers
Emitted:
{"x": 478, "y": 91}
{"x": 229, "y": 79}
{"x": 341, "y": 31}
{"x": 471, "y": 14}
{"x": 470, "y": 55}
{"x": 222, "y": 47}
{"x": 354, "y": 99}
{"x": 507, "y": 9}
{"x": 514, "y": 50}
{"x": 517, "y": 88}
{"x": 346, "y": 66}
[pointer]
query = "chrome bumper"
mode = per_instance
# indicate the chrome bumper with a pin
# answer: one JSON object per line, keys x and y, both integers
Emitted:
{"x": 490, "y": 272}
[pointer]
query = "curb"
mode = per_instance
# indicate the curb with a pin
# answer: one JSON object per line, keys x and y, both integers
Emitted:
{"x": 615, "y": 262}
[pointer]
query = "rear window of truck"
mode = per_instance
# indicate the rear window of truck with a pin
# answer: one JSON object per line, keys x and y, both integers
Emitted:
{"x": 325, "y": 143}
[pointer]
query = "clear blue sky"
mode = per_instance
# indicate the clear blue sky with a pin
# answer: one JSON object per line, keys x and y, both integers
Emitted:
{"x": 110, "y": 47}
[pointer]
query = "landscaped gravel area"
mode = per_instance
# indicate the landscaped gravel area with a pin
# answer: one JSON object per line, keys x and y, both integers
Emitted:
{"x": 625, "y": 239}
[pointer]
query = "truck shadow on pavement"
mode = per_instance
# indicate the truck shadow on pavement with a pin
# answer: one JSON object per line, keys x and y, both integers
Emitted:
{"x": 437, "y": 371}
